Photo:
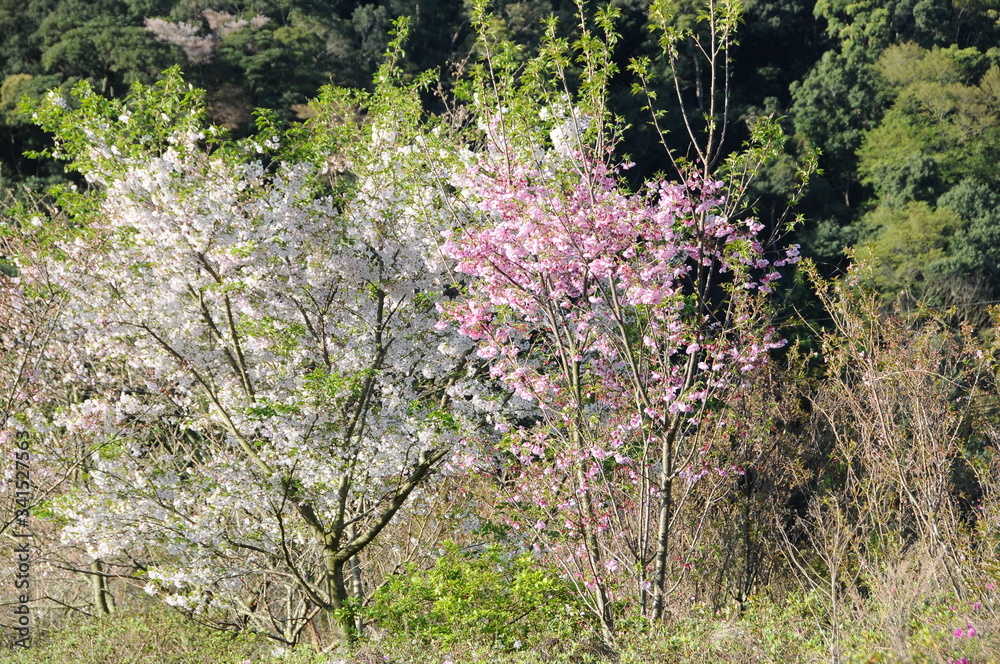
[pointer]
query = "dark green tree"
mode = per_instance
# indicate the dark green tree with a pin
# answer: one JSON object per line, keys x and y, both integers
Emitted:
{"x": 932, "y": 166}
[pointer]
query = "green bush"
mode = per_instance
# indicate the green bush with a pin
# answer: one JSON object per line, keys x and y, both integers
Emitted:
{"x": 481, "y": 598}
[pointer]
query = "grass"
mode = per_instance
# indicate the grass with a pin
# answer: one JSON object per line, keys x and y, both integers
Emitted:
{"x": 789, "y": 630}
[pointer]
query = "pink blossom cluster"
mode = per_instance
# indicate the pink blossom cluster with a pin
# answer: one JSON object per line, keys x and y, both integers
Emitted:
{"x": 593, "y": 281}
{"x": 968, "y": 632}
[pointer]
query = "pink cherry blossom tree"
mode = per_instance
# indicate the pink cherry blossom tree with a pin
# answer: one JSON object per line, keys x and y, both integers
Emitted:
{"x": 627, "y": 319}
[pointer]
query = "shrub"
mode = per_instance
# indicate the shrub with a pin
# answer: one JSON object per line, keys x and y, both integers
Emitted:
{"x": 486, "y": 598}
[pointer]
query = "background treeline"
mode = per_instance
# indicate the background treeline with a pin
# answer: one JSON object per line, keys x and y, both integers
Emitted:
{"x": 900, "y": 98}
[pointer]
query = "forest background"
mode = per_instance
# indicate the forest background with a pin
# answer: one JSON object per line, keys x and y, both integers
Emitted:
{"x": 848, "y": 508}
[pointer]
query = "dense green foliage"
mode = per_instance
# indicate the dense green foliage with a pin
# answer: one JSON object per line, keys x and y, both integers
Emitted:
{"x": 886, "y": 103}
{"x": 932, "y": 167}
{"x": 485, "y": 598}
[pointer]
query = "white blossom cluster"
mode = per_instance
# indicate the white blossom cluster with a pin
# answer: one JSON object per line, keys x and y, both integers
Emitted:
{"x": 200, "y": 48}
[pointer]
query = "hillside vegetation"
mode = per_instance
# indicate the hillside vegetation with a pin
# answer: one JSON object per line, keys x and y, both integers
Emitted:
{"x": 527, "y": 332}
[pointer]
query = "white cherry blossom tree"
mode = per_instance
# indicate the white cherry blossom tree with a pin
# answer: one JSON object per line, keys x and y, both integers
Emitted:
{"x": 262, "y": 384}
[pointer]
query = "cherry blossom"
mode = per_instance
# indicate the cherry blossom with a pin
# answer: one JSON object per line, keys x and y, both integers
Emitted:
{"x": 625, "y": 318}
{"x": 262, "y": 384}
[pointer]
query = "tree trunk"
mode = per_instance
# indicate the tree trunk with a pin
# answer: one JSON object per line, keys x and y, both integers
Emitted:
{"x": 663, "y": 526}
{"x": 357, "y": 584}
{"x": 594, "y": 552}
{"x": 103, "y": 601}
{"x": 341, "y": 609}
